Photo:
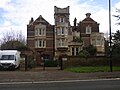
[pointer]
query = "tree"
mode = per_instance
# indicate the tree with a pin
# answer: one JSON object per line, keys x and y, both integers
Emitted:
{"x": 116, "y": 43}
{"x": 88, "y": 51}
{"x": 12, "y": 40}
{"x": 116, "y": 50}
{"x": 91, "y": 50}
{"x": 11, "y": 45}
{"x": 117, "y": 16}
{"x": 84, "y": 53}
{"x": 13, "y": 36}
{"x": 107, "y": 48}
{"x": 116, "y": 37}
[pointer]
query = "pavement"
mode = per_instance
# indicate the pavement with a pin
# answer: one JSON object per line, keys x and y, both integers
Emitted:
{"x": 52, "y": 74}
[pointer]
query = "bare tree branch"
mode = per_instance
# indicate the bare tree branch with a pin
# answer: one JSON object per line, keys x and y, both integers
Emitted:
{"x": 117, "y": 16}
{"x": 13, "y": 36}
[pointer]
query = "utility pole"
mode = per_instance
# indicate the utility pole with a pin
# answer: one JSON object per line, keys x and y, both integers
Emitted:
{"x": 110, "y": 47}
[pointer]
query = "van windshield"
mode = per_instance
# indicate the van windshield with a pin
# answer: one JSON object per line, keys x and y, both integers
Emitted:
{"x": 7, "y": 57}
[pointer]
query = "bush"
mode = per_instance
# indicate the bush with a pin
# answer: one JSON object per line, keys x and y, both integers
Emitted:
{"x": 30, "y": 62}
{"x": 84, "y": 54}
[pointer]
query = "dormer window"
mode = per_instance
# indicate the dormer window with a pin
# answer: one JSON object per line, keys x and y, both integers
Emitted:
{"x": 88, "y": 30}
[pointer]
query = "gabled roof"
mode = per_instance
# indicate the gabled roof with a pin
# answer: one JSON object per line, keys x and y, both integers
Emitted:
{"x": 88, "y": 18}
{"x": 40, "y": 19}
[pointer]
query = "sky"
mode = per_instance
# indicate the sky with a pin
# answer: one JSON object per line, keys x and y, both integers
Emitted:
{"x": 15, "y": 14}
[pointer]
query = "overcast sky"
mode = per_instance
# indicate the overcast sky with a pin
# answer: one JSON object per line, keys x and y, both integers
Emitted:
{"x": 15, "y": 14}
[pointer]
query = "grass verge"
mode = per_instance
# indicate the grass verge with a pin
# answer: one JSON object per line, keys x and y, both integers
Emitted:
{"x": 90, "y": 69}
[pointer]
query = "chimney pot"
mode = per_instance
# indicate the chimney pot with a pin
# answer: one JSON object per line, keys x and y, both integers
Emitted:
{"x": 88, "y": 15}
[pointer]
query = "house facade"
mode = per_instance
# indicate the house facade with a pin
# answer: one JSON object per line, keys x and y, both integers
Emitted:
{"x": 89, "y": 32}
{"x": 40, "y": 39}
{"x": 51, "y": 41}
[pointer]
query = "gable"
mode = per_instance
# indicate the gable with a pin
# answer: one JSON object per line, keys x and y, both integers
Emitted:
{"x": 88, "y": 20}
{"x": 41, "y": 20}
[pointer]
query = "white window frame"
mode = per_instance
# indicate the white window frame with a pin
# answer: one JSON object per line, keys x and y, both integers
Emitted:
{"x": 98, "y": 42}
{"x": 58, "y": 31}
{"x": 62, "y": 19}
{"x": 66, "y": 32}
{"x": 62, "y": 31}
{"x": 39, "y": 31}
{"x": 62, "y": 42}
{"x": 42, "y": 45}
{"x": 72, "y": 51}
{"x": 88, "y": 30}
{"x": 36, "y": 32}
{"x": 36, "y": 44}
{"x": 77, "y": 51}
{"x": 43, "y": 31}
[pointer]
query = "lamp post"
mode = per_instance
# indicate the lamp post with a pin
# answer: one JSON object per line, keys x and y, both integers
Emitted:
{"x": 110, "y": 51}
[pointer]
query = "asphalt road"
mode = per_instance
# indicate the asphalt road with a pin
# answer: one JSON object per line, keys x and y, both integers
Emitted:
{"x": 69, "y": 85}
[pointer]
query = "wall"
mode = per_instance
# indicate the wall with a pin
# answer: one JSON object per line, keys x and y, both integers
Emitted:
{"x": 92, "y": 61}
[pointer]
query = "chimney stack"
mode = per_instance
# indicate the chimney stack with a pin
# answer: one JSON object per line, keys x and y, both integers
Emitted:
{"x": 32, "y": 20}
{"x": 88, "y": 15}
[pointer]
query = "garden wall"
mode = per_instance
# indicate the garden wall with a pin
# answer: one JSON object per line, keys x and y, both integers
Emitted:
{"x": 91, "y": 61}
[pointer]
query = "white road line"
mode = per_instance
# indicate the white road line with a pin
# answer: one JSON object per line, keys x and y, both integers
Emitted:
{"x": 63, "y": 81}
{"x": 88, "y": 80}
{"x": 10, "y": 83}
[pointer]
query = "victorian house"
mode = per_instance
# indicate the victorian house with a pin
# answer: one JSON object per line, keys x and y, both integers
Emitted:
{"x": 89, "y": 32}
{"x": 51, "y": 41}
{"x": 40, "y": 39}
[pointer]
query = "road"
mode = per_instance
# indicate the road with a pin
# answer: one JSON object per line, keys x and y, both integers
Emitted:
{"x": 69, "y": 85}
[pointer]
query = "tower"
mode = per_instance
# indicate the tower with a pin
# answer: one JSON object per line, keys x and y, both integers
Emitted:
{"x": 62, "y": 27}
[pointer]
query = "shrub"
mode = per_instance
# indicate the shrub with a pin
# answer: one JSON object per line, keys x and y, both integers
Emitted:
{"x": 84, "y": 54}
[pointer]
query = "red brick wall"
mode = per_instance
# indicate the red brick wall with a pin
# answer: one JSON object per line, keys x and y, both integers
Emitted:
{"x": 30, "y": 43}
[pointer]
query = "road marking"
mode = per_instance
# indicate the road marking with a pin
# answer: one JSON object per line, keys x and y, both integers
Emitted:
{"x": 10, "y": 83}
{"x": 88, "y": 80}
{"x": 63, "y": 81}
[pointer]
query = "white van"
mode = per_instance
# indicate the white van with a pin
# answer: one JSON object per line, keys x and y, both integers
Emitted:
{"x": 9, "y": 59}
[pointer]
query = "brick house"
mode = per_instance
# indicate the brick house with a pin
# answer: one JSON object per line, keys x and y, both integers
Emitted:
{"x": 89, "y": 32}
{"x": 51, "y": 41}
{"x": 40, "y": 37}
